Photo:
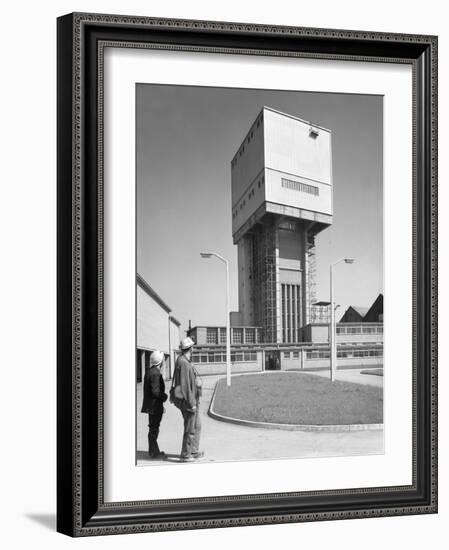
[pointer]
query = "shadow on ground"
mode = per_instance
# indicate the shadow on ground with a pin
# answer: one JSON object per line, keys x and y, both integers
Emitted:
{"x": 46, "y": 520}
{"x": 143, "y": 456}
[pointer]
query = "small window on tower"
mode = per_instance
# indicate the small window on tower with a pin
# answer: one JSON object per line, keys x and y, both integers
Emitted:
{"x": 313, "y": 132}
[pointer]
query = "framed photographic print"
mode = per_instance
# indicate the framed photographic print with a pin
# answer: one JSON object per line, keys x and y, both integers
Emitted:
{"x": 247, "y": 283}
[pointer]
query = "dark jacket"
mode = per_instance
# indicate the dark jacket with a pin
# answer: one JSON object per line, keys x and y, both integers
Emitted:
{"x": 185, "y": 376}
{"x": 153, "y": 391}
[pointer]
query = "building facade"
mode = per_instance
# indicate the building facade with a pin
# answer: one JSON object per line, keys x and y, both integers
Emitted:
{"x": 318, "y": 333}
{"x": 211, "y": 360}
{"x": 157, "y": 329}
{"x": 281, "y": 199}
{"x": 358, "y": 345}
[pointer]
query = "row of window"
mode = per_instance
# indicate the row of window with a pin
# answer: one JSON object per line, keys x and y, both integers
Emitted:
{"x": 293, "y": 354}
{"x": 251, "y": 356}
{"x": 215, "y": 335}
{"x": 250, "y": 196}
{"x": 345, "y": 354}
{"x": 291, "y": 312}
{"x": 360, "y": 330}
{"x": 288, "y": 184}
{"x": 214, "y": 357}
{"x": 299, "y": 186}
{"x": 247, "y": 141}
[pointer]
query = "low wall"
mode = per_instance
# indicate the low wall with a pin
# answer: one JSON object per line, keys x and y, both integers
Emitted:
{"x": 350, "y": 362}
{"x": 291, "y": 363}
{"x": 220, "y": 368}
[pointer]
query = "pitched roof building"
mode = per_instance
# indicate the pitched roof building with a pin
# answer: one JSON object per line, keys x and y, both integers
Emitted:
{"x": 375, "y": 313}
{"x": 357, "y": 314}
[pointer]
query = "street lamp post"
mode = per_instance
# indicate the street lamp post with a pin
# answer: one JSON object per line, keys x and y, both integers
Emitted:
{"x": 332, "y": 331}
{"x": 228, "y": 314}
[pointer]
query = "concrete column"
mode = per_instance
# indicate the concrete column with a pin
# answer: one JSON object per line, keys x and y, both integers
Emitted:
{"x": 278, "y": 335}
{"x": 304, "y": 281}
{"x": 291, "y": 313}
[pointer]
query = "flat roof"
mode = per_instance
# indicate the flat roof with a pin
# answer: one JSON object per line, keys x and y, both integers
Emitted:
{"x": 147, "y": 288}
{"x": 265, "y": 108}
{"x": 173, "y": 318}
{"x": 222, "y": 326}
{"x": 270, "y": 346}
{"x": 308, "y": 122}
{"x": 343, "y": 324}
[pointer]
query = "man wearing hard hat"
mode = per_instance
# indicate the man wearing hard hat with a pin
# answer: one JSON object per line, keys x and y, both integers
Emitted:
{"x": 153, "y": 398}
{"x": 187, "y": 385}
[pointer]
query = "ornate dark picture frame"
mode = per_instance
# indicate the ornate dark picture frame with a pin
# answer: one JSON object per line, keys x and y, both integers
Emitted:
{"x": 81, "y": 510}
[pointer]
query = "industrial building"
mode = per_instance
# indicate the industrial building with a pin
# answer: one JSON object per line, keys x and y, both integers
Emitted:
{"x": 157, "y": 329}
{"x": 282, "y": 197}
{"x": 258, "y": 358}
{"x": 358, "y": 344}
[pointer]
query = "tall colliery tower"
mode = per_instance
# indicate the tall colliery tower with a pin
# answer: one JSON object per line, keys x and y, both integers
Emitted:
{"x": 281, "y": 199}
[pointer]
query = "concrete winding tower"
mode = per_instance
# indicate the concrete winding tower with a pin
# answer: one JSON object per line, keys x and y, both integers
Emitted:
{"x": 281, "y": 199}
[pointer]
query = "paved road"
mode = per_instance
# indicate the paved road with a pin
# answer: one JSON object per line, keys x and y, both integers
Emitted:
{"x": 353, "y": 375}
{"x": 225, "y": 442}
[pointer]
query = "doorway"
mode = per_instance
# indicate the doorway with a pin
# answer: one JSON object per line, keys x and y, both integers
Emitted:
{"x": 273, "y": 360}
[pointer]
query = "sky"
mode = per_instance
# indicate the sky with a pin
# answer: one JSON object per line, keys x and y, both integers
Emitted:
{"x": 186, "y": 138}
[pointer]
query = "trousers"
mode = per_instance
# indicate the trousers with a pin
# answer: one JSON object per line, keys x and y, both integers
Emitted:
{"x": 192, "y": 432}
{"x": 154, "y": 421}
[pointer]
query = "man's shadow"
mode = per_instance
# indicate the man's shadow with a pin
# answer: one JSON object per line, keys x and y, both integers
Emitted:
{"x": 142, "y": 456}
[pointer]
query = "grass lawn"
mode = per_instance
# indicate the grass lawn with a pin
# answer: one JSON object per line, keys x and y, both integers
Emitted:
{"x": 297, "y": 398}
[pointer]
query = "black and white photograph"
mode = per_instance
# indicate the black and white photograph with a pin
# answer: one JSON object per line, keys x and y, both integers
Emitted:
{"x": 259, "y": 274}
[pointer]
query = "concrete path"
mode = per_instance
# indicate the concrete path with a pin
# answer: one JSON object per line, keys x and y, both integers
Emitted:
{"x": 229, "y": 442}
{"x": 353, "y": 375}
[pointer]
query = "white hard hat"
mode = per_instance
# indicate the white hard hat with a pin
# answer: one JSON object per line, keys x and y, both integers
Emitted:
{"x": 187, "y": 343}
{"x": 156, "y": 358}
